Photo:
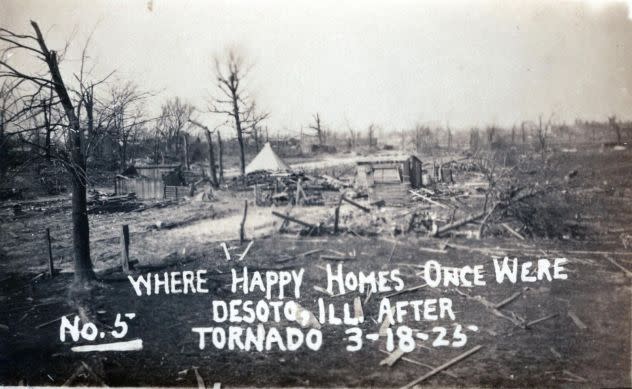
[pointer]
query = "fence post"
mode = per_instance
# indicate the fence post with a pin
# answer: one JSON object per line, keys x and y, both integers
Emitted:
{"x": 125, "y": 247}
{"x": 242, "y": 227}
{"x": 298, "y": 192}
{"x": 51, "y": 266}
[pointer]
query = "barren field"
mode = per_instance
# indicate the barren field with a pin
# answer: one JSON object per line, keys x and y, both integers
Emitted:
{"x": 584, "y": 339}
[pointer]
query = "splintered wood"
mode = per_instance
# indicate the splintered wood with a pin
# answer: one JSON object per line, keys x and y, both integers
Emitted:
{"x": 442, "y": 367}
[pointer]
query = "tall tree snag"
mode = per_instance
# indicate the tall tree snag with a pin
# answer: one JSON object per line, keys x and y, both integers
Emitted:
{"x": 77, "y": 167}
{"x": 233, "y": 100}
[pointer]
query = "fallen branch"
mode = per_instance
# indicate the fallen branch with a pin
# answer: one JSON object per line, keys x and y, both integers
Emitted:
{"x": 442, "y": 367}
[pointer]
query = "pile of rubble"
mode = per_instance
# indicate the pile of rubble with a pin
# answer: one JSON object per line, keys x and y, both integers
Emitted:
{"x": 292, "y": 188}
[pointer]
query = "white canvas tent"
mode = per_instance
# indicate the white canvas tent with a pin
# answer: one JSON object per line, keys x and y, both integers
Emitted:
{"x": 267, "y": 160}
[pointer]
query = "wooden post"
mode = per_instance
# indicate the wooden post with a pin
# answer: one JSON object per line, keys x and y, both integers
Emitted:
{"x": 220, "y": 157}
{"x": 337, "y": 215}
{"x": 51, "y": 266}
{"x": 125, "y": 247}
{"x": 242, "y": 232}
{"x": 298, "y": 192}
{"x": 115, "y": 188}
{"x": 256, "y": 195}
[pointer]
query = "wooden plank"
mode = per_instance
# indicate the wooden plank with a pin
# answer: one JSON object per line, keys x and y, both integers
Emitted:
{"x": 365, "y": 209}
{"x": 125, "y": 247}
{"x": 242, "y": 232}
{"x": 442, "y": 367}
{"x": 293, "y": 220}
{"x": 51, "y": 266}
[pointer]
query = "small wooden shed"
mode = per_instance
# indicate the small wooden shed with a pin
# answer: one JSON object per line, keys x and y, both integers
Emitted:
{"x": 389, "y": 178}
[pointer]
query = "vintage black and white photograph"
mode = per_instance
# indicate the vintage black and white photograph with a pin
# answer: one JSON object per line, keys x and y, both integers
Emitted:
{"x": 349, "y": 194}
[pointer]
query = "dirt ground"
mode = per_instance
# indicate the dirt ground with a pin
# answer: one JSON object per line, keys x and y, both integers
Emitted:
{"x": 555, "y": 352}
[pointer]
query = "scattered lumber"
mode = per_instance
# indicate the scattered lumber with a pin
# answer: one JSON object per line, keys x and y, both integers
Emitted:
{"x": 536, "y": 321}
{"x": 407, "y": 290}
{"x": 489, "y": 305}
{"x": 577, "y": 320}
{"x": 555, "y": 353}
{"x": 293, "y": 219}
{"x": 416, "y": 362}
{"x": 416, "y": 194}
{"x": 362, "y": 207}
{"x": 199, "y": 379}
{"x": 442, "y": 367}
{"x": 512, "y": 231}
{"x": 51, "y": 321}
{"x": 392, "y": 357}
{"x": 625, "y": 271}
{"x": 509, "y": 299}
{"x": 336, "y": 258}
{"x": 575, "y": 376}
{"x": 458, "y": 223}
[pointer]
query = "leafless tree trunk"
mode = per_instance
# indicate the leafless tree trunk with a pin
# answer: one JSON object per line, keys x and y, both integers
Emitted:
{"x": 318, "y": 129}
{"x": 81, "y": 227}
{"x": 233, "y": 102}
{"x": 211, "y": 159}
{"x": 221, "y": 157}
{"x": 612, "y": 120}
{"x": 185, "y": 138}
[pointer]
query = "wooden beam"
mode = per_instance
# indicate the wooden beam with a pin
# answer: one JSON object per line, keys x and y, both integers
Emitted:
{"x": 293, "y": 220}
{"x": 51, "y": 266}
{"x": 365, "y": 209}
{"x": 125, "y": 247}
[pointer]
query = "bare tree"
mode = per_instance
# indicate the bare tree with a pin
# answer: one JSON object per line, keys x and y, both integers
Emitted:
{"x": 317, "y": 128}
{"x": 612, "y": 120}
{"x": 475, "y": 140}
{"x": 372, "y": 141}
{"x": 211, "y": 151}
{"x": 72, "y": 155}
{"x": 491, "y": 133}
{"x": 124, "y": 116}
{"x": 542, "y": 133}
{"x": 353, "y": 135}
{"x": 254, "y": 124}
{"x": 172, "y": 122}
{"x": 449, "y": 136}
{"x": 233, "y": 101}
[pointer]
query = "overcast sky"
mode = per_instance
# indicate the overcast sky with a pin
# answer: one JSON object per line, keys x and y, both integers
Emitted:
{"x": 394, "y": 63}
